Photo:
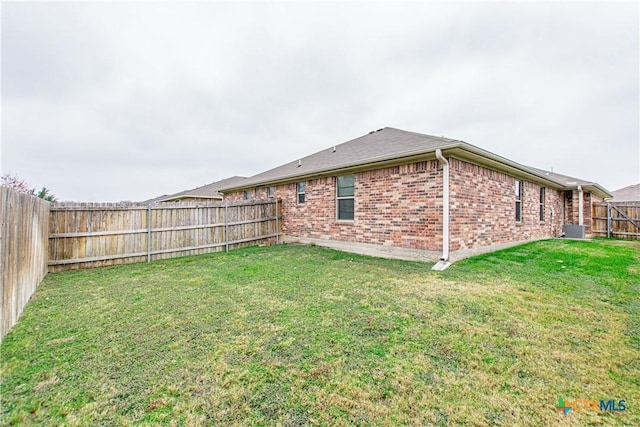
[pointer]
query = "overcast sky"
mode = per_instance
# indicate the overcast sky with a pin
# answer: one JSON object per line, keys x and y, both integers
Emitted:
{"x": 128, "y": 101}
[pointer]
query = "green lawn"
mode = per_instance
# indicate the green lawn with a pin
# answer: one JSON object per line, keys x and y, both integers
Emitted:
{"x": 299, "y": 335}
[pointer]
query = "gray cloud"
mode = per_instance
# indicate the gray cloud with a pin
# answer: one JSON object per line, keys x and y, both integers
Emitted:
{"x": 116, "y": 101}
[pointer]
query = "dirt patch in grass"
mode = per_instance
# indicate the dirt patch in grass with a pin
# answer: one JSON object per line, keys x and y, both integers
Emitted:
{"x": 46, "y": 383}
{"x": 297, "y": 335}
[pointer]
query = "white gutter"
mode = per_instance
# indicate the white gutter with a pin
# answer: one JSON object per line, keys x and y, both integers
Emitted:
{"x": 580, "y": 207}
{"x": 445, "y": 212}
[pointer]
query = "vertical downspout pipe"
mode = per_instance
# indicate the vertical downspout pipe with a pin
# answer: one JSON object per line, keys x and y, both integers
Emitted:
{"x": 445, "y": 204}
{"x": 580, "y": 214}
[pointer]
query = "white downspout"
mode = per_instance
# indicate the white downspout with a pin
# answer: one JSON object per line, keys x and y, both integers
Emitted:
{"x": 445, "y": 212}
{"x": 580, "y": 207}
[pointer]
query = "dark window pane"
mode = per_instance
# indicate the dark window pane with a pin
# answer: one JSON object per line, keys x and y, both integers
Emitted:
{"x": 518, "y": 211}
{"x": 345, "y": 209}
{"x": 345, "y": 186}
{"x": 301, "y": 198}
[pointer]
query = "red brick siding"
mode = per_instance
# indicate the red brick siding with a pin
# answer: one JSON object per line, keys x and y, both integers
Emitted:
{"x": 572, "y": 209}
{"x": 397, "y": 206}
{"x": 568, "y": 208}
{"x": 575, "y": 204}
{"x": 402, "y": 206}
{"x": 483, "y": 208}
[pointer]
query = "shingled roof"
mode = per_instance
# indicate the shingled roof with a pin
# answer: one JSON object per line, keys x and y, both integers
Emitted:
{"x": 371, "y": 148}
{"x": 565, "y": 180}
{"x": 209, "y": 191}
{"x": 394, "y": 146}
{"x": 627, "y": 194}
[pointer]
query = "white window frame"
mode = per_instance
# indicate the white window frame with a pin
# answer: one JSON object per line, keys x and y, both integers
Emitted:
{"x": 519, "y": 191}
{"x": 302, "y": 193}
{"x": 351, "y": 197}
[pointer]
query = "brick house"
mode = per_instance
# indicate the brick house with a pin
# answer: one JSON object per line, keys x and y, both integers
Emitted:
{"x": 402, "y": 194}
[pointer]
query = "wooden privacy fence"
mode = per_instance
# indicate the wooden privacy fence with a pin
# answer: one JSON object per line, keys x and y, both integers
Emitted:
{"x": 23, "y": 252}
{"x": 621, "y": 219}
{"x": 92, "y": 235}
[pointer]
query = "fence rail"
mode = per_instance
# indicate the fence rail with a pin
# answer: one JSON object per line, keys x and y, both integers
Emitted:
{"x": 23, "y": 252}
{"x": 91, "y": 235}
{"x": 620, "y": 219}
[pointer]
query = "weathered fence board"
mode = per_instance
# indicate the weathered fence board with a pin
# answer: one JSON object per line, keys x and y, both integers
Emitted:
{"x": 91, "y": 235}
{"x": 621, "y": 219}
{"x": 23, "y": 252}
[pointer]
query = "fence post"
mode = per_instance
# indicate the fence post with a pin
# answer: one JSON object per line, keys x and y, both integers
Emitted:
{"x": 149, "y": 233}
{"x": 608, "y": 220}
{"x": 277, "y": 224}
{"x": 226, "y": 225}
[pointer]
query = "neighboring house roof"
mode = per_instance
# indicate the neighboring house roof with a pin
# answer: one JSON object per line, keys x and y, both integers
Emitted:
{"x": 627, "y": 194}
{"x": 390, "y": 146}
{"x": 209, "y": 191}
{"x": 155, "y": 199}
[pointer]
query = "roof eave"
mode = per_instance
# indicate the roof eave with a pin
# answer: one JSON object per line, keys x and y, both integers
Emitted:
{"x": 374, "y": 163}
{"x": 594, "y": 188}
{"x": 189, "y": 196}
{"x": 458, "y": 149}
{"x": 485, "y": 158}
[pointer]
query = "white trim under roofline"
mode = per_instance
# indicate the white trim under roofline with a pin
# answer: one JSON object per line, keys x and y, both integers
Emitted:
{"x": 495, "y": 161}
{"x": 457, "y": 149}
{"x": 482, "y": 157}
{"x": 372, "y": 163}
{"x": 187, "y": 196}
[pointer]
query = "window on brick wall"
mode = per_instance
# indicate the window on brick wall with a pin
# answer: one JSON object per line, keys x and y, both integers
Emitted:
{"x": 542, "y": 202}
{"x": 301, "y": 192}
{"x": 518, "y": 188}
{"x": 345, "y": 197}
{"x": 247, "y": 195}
{"x": 271, "y": 192}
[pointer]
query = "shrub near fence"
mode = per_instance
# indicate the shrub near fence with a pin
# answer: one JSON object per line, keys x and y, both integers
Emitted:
{"x": 92, "y": 235}
{"x": 23, "y": 252}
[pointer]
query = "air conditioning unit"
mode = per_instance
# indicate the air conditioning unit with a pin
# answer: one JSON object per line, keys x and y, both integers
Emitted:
{"x": 573, "y": 231}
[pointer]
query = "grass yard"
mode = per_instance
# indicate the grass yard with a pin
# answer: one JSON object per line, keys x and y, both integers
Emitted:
{"x": 299, "y": 335}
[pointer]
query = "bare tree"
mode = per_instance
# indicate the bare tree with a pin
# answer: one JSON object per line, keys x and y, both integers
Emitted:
{"x": 15, "y": 183}
{"x": 22, "y": 186}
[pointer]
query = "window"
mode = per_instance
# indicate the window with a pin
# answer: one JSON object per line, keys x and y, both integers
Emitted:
{"x": 247, "y": 195}
{"x": 518, "y": 200}
{"x": 542, "y": 194}
{"x": 345, "y": 199}
{"x": 271, "y": 192}
{"x": 301, "y": 192}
